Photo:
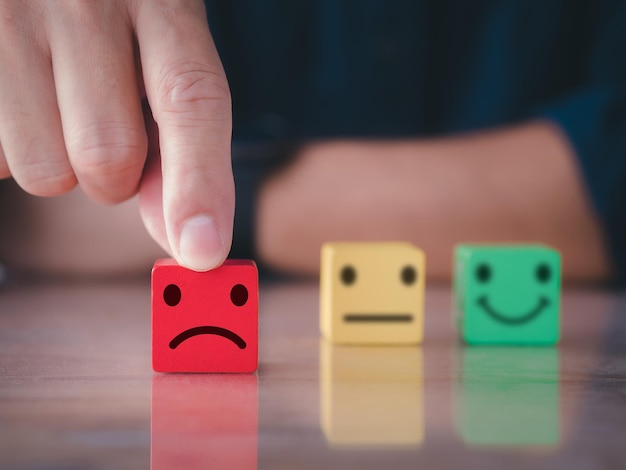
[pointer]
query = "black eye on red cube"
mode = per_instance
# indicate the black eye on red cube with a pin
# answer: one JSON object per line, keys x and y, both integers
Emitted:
{"x": 238, "y": 295}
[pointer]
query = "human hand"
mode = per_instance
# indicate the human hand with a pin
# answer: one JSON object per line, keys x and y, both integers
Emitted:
{"x": 72, "y": 79}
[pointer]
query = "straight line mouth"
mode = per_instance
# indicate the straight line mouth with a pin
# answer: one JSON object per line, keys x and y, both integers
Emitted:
{"x": 378, "y": 318}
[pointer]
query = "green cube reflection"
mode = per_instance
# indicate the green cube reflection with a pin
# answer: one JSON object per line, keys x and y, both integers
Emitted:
{"x": 508, "y": 397}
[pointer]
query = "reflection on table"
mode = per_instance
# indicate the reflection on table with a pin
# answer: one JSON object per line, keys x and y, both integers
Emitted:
{"x": 371, "y": 395}
{"x": 76, "y": 382}
{"x": 204, "y": 421}
{"x": 508, "y": 397}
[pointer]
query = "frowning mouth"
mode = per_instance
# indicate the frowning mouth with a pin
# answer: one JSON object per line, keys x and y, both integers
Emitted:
{"x": 518, "y": 320}
{"x": 207, "y": 330}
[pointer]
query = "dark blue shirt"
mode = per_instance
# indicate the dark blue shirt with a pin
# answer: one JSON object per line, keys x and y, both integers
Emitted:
{"x": 382, "y": 68}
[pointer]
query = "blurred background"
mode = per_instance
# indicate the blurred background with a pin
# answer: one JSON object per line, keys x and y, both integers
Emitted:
{"x": 432, "y": 121}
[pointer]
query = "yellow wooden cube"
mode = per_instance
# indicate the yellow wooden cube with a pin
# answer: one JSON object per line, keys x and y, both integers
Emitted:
{"x": 372, "y": 292}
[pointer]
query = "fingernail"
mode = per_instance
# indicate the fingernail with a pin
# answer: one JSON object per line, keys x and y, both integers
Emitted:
{"x": 201, "y": 246}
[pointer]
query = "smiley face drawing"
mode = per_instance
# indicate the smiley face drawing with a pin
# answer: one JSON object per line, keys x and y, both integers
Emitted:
{"x": 507, "y": 294}
{"x": 205, "y": 321}
{"x": 372, "y": 293}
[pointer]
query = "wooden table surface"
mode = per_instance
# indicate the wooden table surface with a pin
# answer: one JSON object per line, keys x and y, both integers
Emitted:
{"x": 77, "y": 390}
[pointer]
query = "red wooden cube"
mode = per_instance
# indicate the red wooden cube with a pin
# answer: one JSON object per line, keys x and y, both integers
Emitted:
{"x": 205, "y": 321}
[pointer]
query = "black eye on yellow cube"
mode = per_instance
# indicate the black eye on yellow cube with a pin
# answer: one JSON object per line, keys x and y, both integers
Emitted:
{"x": 372, "y": 293}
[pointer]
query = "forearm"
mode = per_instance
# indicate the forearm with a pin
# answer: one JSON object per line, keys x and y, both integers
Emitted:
{"x": 518, "y": 184}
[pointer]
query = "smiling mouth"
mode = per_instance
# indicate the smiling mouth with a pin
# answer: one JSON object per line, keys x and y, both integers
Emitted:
{"x": 378, "y": 318}
{"x": 207, "y": 330}
{"x": 484, "y": 303}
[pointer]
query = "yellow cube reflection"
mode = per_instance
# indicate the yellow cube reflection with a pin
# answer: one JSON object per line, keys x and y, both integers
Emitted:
{"x": 371, "y": 395}
{"x": 372, "y": 293}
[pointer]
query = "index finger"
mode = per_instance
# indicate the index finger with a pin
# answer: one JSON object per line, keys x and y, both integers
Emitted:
{"x": 188, "y": 93}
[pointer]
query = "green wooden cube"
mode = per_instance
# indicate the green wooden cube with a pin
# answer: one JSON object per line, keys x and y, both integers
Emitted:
{"x": 507, "y": 294}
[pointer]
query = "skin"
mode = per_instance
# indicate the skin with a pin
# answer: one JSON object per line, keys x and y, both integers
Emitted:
{"x": 515, "y": 184}
{"x": 141, "y": 107}
{"x": 511, "y": 184}
{"x": 141, "y": 111}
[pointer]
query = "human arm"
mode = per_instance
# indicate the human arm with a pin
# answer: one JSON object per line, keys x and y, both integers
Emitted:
{"x": 515, "y": 184}
{"x": 72, "y": 79}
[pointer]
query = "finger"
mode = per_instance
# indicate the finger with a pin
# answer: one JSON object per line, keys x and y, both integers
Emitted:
{"x": 92, "y": 50}
{"x": 150, "y": 190}
{"x": 190, "y": 101}
{"x": 33, "y": 150}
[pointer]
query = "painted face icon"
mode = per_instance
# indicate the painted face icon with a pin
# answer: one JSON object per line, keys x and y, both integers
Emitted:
{"x": 508, "y": 294}
{"x": 205, "y": 321}
{"x": 372, "y": 293}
